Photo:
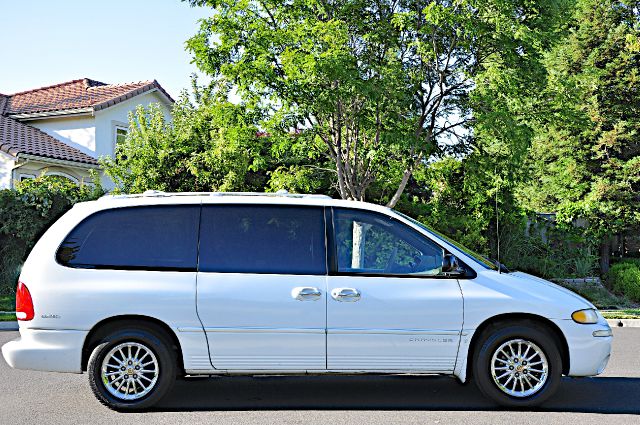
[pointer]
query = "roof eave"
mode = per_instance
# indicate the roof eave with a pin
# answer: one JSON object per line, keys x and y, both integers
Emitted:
{"x": 142, "y": 90}
{"x": 52, "y": 114}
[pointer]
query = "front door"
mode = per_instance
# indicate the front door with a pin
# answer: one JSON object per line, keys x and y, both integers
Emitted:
{"x": 262, "y": 286}
{"x": 389, "y": 306}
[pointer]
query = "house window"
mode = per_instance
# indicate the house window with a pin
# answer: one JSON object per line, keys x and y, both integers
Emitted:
{"x": 24, "y": 177}
{"x": 121, "y": 134}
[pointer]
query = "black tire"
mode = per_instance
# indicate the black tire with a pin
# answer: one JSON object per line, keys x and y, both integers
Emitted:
{"x": 493, "y": 339}
{"x": 155, "y": 341}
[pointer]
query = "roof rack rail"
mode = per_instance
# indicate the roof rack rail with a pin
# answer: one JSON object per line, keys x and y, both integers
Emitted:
{"x": 159, "y": 193}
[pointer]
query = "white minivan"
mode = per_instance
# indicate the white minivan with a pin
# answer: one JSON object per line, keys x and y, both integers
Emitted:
{"x": 140, "y": 289}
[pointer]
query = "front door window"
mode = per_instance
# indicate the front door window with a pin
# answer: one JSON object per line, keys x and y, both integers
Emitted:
{"x": 369, "y": 243}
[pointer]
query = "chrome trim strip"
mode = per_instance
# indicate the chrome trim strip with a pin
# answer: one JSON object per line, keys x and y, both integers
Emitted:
{"x": 266, "y": 330}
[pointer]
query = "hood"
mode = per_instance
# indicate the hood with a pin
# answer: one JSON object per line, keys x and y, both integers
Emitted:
{"x": 537, "y": 280}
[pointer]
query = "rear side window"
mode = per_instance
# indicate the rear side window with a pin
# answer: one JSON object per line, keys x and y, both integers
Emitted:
{"x": 262, "y": 239}
{"x": 149, "y": 238}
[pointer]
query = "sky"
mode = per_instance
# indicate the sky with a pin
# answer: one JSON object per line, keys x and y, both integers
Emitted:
{"x": 47, "y": 42}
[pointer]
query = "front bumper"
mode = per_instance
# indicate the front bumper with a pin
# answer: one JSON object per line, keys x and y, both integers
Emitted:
{"x": 588, "y": 354}
{"x": 46, "y": 350}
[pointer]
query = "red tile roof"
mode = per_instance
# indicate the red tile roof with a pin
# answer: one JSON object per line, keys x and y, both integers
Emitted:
{"x": 76, "y": 94}
{"x": 17, "y": 138}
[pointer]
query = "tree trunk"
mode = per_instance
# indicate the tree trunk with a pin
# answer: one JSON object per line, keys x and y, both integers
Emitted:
{"x": 605, "y": 254}
{"x": 403, "y": 183}
{"x": 358, "y": 244}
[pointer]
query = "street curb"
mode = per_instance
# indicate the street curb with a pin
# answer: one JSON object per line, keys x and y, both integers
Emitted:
{"x": 8, "y": 326}
{"x": 624, "y": 323}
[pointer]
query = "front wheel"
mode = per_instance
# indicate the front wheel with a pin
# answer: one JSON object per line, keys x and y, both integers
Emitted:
{"x": 518, "y": 366}
{"x": 132, "y": 369}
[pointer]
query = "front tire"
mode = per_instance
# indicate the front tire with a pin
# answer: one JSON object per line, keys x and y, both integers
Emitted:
{"x": 132, "y": 369}
{"x": 518, "y": 365}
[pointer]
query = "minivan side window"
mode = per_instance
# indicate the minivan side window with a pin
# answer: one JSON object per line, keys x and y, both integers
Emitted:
{"x": 262, "y": 239}
{"x": 135, "y": 238}
{"x": 371, "y": 243}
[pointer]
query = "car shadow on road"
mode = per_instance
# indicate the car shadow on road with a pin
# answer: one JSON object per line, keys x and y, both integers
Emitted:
{"x": 401, "y": 392}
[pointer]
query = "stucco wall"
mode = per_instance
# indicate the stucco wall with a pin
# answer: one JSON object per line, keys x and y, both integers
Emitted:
{"x": 78, "y": 132}
{"x": 7, "y": 162}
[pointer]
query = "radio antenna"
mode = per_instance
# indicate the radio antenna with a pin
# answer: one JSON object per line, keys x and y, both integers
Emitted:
{"x": 498, "y": 230}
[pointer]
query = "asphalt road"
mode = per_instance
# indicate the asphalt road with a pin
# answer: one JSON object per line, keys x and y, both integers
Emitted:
{"x": 28, "y": 397}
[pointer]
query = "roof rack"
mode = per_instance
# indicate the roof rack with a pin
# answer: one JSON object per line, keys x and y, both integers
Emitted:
{"x": 159, "y": 193}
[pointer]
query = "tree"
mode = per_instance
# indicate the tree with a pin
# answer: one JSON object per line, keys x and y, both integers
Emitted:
{"x": 586, "y": 153}
{"x": 381, "y": 85}
{"x": 211, "y": 144}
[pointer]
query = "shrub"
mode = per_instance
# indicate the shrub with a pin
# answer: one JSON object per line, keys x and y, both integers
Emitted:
{"x": 563, "y": 254}
{"x": 624, "y": 278}
{"x": 27, "y": 211}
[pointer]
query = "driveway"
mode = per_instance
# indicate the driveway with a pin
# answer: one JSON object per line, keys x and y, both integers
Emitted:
{"x": 28, "y": 397}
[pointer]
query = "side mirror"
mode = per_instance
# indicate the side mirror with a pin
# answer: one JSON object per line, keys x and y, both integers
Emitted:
{"x": 450, "y": 265}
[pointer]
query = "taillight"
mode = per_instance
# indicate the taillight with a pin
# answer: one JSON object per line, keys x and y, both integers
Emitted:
{"x": 24, "y": 303}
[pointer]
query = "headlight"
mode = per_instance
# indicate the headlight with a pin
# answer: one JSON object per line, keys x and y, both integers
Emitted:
{"x": 586, "y": 317}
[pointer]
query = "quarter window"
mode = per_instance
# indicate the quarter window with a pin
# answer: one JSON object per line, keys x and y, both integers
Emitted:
{"x": 151, "y": 238}
{"x": 262, "y": 239}
{"x": 371, "y": 243}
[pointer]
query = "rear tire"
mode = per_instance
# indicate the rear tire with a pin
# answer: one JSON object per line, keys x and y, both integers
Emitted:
{"x": 132, "y": 369}
{"x": 518, "y": 365}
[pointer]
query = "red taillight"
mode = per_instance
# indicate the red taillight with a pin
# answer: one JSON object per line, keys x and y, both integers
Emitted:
{"x": 24, "y": 303}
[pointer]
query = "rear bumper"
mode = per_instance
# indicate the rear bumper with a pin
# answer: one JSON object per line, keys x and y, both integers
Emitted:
{"x": 46, "y": 350}
{"x": 588, "y": 355}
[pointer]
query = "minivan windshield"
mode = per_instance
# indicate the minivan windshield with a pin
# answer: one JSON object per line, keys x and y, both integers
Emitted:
{"x": 479, "y": 259}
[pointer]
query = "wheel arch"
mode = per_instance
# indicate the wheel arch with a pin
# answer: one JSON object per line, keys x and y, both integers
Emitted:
{"x": 519, "y": 318}
{"x": 104, "y": 327}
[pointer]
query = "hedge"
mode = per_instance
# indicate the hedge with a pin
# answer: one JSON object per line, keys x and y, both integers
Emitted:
{"x": 624, "y": 278}
{"x": 27, "y": 211}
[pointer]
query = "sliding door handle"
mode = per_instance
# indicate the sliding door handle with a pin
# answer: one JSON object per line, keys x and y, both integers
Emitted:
{"x": 306, "y": 293}
{"x": 345, "y": 294}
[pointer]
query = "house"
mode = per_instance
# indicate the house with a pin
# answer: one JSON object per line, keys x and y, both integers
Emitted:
{"x": 63, "y": 129}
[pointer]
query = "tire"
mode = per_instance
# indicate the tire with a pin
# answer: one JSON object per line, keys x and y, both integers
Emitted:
{"x": 149, "y": 368}
{"x": 532, "y": 386}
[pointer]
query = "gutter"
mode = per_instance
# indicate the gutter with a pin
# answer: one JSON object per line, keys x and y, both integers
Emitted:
{"x": 55, "y": 161}
{"x": 44, "y": 115}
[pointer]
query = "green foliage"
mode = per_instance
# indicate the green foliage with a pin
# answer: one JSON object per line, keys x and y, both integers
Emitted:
{"x": 563, "y": 254}
{"x": 210, "y": 145}
{"x": 7, "y": 303}
{"x": 382, "y": 86}
{"x": 27, "y": 211}
{"x": 601, "y": 297}
{"x": 585, "y": 159}
{"x": 624, "y": 278}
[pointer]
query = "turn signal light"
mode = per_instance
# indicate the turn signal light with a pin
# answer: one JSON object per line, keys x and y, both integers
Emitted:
{"x": 586, "y": 317}
{"x": 24, "y": 303}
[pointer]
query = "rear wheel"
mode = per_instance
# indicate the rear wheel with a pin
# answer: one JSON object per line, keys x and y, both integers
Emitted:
{"x": 132, "y": 369}
{"x": 518, "y": 366}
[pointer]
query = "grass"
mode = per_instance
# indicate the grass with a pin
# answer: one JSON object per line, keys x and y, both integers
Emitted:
{"x": 7, "y": 317}
{"x": 633, "y": 313}
{"x": 7, "y": 303}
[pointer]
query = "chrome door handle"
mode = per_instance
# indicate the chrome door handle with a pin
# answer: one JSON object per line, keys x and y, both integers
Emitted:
{"x": 345, "y": 294}
{"x": 305, "y": 293}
